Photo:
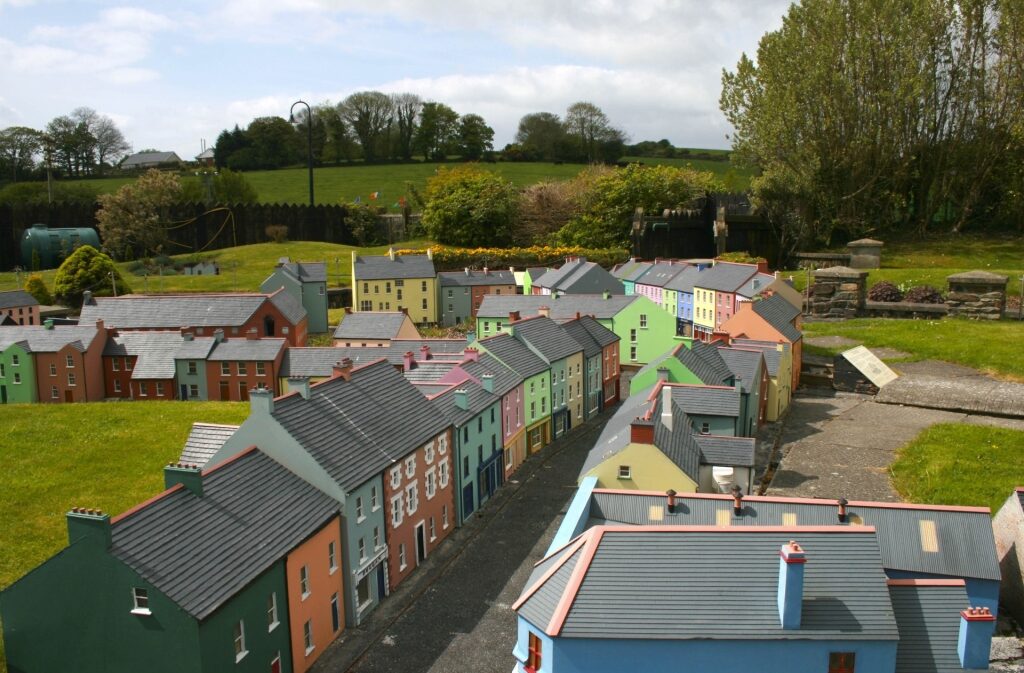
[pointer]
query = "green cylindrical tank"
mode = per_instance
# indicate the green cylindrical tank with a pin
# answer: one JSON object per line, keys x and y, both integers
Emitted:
{"x": 52, "y": 246}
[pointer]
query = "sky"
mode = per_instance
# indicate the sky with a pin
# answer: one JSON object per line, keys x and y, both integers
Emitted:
{"x": 173, "y": 74}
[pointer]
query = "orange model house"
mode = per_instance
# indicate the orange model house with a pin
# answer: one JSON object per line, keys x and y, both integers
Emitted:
{"x": 316, "y": 604}
{"x": 72, "y": 369}
{"x": 771, "y": 319}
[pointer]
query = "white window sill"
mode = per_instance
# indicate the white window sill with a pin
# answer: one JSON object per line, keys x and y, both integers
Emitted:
{"x": 360, "y": 519}
{"x": 241, "y": 655}
{"x": 270, "y": 629}
{"x": 142, "y": 611}
{"x": 309, "y": 650}
{"x": 375, "y": 508}
{"x": 307, "y": 595}
{"x": 403, "y": 567}
{"x": 333, "y": 570}
{"x": 433, "y": 537}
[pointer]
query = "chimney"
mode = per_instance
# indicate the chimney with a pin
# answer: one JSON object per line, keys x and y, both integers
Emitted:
{"x": 218, "y": 335}
{"x": 666, "y": 406}
{"x": 48, "y": 323}
{"x": 606, "y": 294}
{"x": 281, "y": 261}
{"x": 471, "y": 354}
{"x": 462, "y": 399}
{"x": 424, "y": 352}
{"x": 663, "y": 373}
{"x": 430, "y": 254}
{"x": 466, "y": 269}
{"x": 544, "y": 311}
{"x": 408, "y": 359}
{"x": 252, "y": 334}
{"x": 87, "y": 299}
{"x": 641, "y": 431}
{"x": 513, "y": 316}
{"x": 88, "y": 524}
{"x": 404, "y": 310}
{"x": 762, "y": 266}
{"x": 391, "y": 254}
{"x": 577, "y": 315}
{"x": 842, "y": 502}
{"x": 791, "y": 584}
{"x": 342, "y": 368}
{"x": 975, "y": 640}
{"x": 512, "y": 270}
{"x": 487, "y": 381}
{"x": 485, "y": 270}
{"x": 189, "y": 476}
{"x": 737, "y": 500}
{"x": 670, "y": 495}
{"x": 261, "y": 402}
{"x": 300, "y": 384}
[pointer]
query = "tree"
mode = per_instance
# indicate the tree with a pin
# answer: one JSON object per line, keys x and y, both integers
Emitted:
{"x": 474, "y": 136}
{"x": 469, "y": 206}
{"x": 63, "y": 139}
{"x": 87, "y": 269}
{"x": 273, "y": 143}
{"x": 37, "y": 193}
{"x": 104, "y": 143}
{"x": 612, "y": 196}
{"x": 542, "y": 135}
{"x": 134, "y": 219}
{"x": 225, "y": 186}
{"x": 338, "y": 141}
{"x": 591, "y": 134}
{"x": 437, "y": 132}
{"x": 229, "y": 142}
{"x": 876, "y": 115}
{"x": 18, "y": 146}
{"x": 369, "y": 114}
{"x": 407, "y": 108}
{"x": 36, "y": 286}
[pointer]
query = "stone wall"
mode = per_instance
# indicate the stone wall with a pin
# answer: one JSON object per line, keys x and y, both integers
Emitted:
{"x": 979, "y": 295}
{"x": 838, "y": 292}
{"x": 902, "y": 309}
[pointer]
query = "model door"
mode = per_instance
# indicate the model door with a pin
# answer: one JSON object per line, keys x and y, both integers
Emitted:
{"x": 184, "y": 392}
{"x": 421, "y": 543}
{"x": 225, "y": 391}
{"x": 467, "y": 501}
{"x": 68, "y": 397}
{"x": 3, "y": 394}
{"x": 380, "y": 581}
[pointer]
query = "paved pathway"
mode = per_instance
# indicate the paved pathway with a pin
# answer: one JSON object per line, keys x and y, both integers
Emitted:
{"x": 454, "y": 613}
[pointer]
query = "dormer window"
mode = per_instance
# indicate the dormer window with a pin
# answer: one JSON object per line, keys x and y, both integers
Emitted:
{"x": 625, "y": 472}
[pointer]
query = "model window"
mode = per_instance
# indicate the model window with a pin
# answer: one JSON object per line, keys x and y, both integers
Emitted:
{"x": 261, "y": 369}
{"x": 140, "y": 600}
{"x": 114, "y": 363}
{"x": 412, "y": 498}
{"x": 243, "y": 369}
{"x": 192, "y": 367}
{"x": 431, "y": 483}
{"x": 193, "y": 390}
{"x": 17, "y": 377}
{"x": 433, "y": 530}
{"x": 362, "y": 550}
{"x": 54, "y": 393}
{"x": 374, "y": 505}
{"x": 444, "y": 516}
{"x": 401, "y": 556}
{"x": 428, "y": 453}
{"x": 705, "y": 429}
{"x": 71, "y": 380}
{"x": 396, "y": 476}
{"x": 396, "y": 511}
{"x": 70, "y": 360}
{"x": 304, "y": 582}
{"x": 117, "y": 385}
{"x": 332, "y": 557}
{"x": 225, "y": 368}
{"x": 127, "y": 364}
{"x": 240, "y": 650}
{"x": 359, "y": 509}
{"x": 410, "y": 466}
{"x": 159, "y": 388}
{"x": 307, "y": 635}
{"x": 272, "y": 620}
{"x": 424, "y": 303}
{"x": 625, "y": 472}
{"x": 841, "y": 662}
{"x": 443, "y": 474}
{"x": 15, "y": 361}
{"x": 534, "y": 652}
{"x": 423, "y": 287}
{"x": 376, "y": 538}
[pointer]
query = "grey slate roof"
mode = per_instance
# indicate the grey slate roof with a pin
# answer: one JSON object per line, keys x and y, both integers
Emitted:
{"x": 562, "y": 308}
{"x": 578, "y": 276}
{"x": 514, "y": 354}
{"x": 307, "y": 272}
{"x": 311, "y": 361}
{"x": 601, "y": 334}
{"x": 768, "y": 349}
{"x": 966, "y": 542}
{"x": 186, "y": 310}
{"x": 580, "y": 334}
{"x": 154, "y": 351}
{"x": 463, "y": 279}
{"x": 664, "y": 584}
{"x": 929, "y": 626}
{"x": 429, "y": 371}
{"x": 731, "y": 451}
{"x": 705, "y": 362}
{"x": 370, "y": 325}
{"x": 16, "y": 298}
{"x": 659, "y": 274}
{"x": 201, "y": 551}
{"x": 745, "y": 364}
{"x": 147, "y": 158}
{"x": 343, "y": 429}
{"x": 684, "y": 281}
{"x": 251, "y": 350}
{"x": 761, "y": 280}
{"x": 707, "y": 400}
{"x": 535, "y": 272}
{"x": 319, "y": 361}
{"x": 38, "y": 339}
{"x": 477, "y": 401}
{"x": 615, "y": 435}
{"x": 504, "y": 378}
{"x": 197, "y": 348}
{"x": 678, "y": 444}
{"x": 547, "y": 337}
{"x": 205, "y": 440}
{"x": 725, "y": 276}
{"x": 290, "y": 307}
{"x": 779, "y": 313}
{"x": 630, "y": 270}
{"x": 382, "y": 267}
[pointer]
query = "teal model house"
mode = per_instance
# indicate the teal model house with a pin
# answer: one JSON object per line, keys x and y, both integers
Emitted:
{"x": 307, "y": 283}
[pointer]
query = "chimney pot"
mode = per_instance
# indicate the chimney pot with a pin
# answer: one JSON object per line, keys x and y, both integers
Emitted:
{"x": 737, "y": 500}
{"x": 407, "y": 360}
{"x": 261, "y": 402}
{"x": 842, "y": 502}
{"x": 343, "y": 368}
{"x": 487, "y": 381}
{"x": 544, "y": 311}
{"x": 670, "y": 495}
{"x": 975, "y": 638}
{"x": 513, "y": 316}
{"x": 300, "y": 384}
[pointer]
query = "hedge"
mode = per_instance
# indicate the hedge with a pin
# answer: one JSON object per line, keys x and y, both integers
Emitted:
{"x": 454, "y": 259}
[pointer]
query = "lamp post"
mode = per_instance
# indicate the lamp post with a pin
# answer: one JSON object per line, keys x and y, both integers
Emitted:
{"x": 309, "y": 140}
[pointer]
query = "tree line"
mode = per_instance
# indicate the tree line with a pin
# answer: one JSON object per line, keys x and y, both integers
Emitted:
{"x": 82, "y": 143}
{"x": 373, "y": 126}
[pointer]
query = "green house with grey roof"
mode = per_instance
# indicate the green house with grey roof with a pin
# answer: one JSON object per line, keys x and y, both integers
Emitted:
{"x": 536, "y": 376}
{"x": 192, "y": 580}
{"x": 306, "y": 282}
{"x": 17, "y": 372}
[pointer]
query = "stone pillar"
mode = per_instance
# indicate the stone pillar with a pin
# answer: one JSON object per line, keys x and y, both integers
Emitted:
{"x": 977, "y": 294}
{"x": 865, "y": 253}
{"x": 838, "y": 292}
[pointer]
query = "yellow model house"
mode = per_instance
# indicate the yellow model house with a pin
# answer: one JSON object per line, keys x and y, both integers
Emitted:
{"x": 395, "y": 283}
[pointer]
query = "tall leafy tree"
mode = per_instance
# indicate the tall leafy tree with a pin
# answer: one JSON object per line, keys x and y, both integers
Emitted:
{"x": 542, "y": 135}
{"x": 475, "y": 137}
{"x": 274, "y": 143}
{"x": 407, "y": 108}
{"x": 134, "y": 219}
{"x": 103, "y": 142}
{"x": 437, "y": 132}
{"x": 370, "y": 115}
{"x": 18, "y": 147}
{"x": 591, "y": 133}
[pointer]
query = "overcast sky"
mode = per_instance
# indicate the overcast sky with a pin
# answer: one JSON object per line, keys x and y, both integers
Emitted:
{"x": 174, "y": 73}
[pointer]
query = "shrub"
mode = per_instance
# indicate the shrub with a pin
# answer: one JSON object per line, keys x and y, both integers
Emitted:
{"x": 136, "y": 216}
{"x": 363, "y": 220}
{"x": 36, "y": 287}
{"x": 923, "y": 294}
{"x": 469, "y": 206}
{"x": 87, "y": 269}
{"x": 740, "y": 258}
{"x": 885, "y": 291}
{"x": 456, "y": 259}
{"x": 278, "y": 233}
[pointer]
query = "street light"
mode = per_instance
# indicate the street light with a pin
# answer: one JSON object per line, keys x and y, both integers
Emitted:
{"x": 309, "y": 139}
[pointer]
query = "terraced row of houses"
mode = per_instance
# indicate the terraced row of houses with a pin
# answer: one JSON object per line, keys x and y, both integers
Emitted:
{"x": 274, "y": 536}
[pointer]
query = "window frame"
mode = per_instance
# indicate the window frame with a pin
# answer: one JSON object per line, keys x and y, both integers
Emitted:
{"x": 304, "y": 588}
{"x": 140, "y": 601}
{"x": 273, "y": 621}
{"x": 239, "y": 637}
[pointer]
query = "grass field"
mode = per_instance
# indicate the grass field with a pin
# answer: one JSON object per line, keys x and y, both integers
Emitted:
{"x": 342, "y": 184}
{"x": 103, "y": 454}
{"x": 992, "y": 347}
{"x": 955, "y": 464}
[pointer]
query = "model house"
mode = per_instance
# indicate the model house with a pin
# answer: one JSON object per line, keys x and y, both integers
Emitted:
{"x": 140, "y": 365}
{"x": 18, "y": 307}
{"x": 463, "y": 291}
{"x": 692, "y": 362}
{"x": 376, "y": 328}
{"x": 714, "y": 295}
{"x": 752, "y": 376}
{"x": 276, "y": 314}
{"x": 394, "y": 282}
{"x": 652, "y": 282}
{"x": 645, "y": 331}
{"x": 177, "y": 583}
{"x": 628, "y": 272}
{"x": 576, "y": 276}
{"x": 593, "y": 386}
{"x": 236, "y": 366}
{"x": 306, "y": 282}
{"x": 678, "y": 298}
{"x": 536, "y": 378}
{"x": 778, "y": 360}
{"x": 770, "y": 319}
{"x": 52, "y": 363}
{"x": 392, "y": 471}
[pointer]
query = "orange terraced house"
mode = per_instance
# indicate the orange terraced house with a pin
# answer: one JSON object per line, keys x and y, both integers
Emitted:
{"x": 316, "y": 611}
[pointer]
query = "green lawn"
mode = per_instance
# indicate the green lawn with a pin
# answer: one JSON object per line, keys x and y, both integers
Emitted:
{"x": 956, "y": 464}
{"x": 107, "y": 455}
{"x": 992, "y": 347}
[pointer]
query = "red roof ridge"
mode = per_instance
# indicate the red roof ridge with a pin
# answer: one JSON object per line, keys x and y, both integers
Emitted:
{"x": 926, "y": 583}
